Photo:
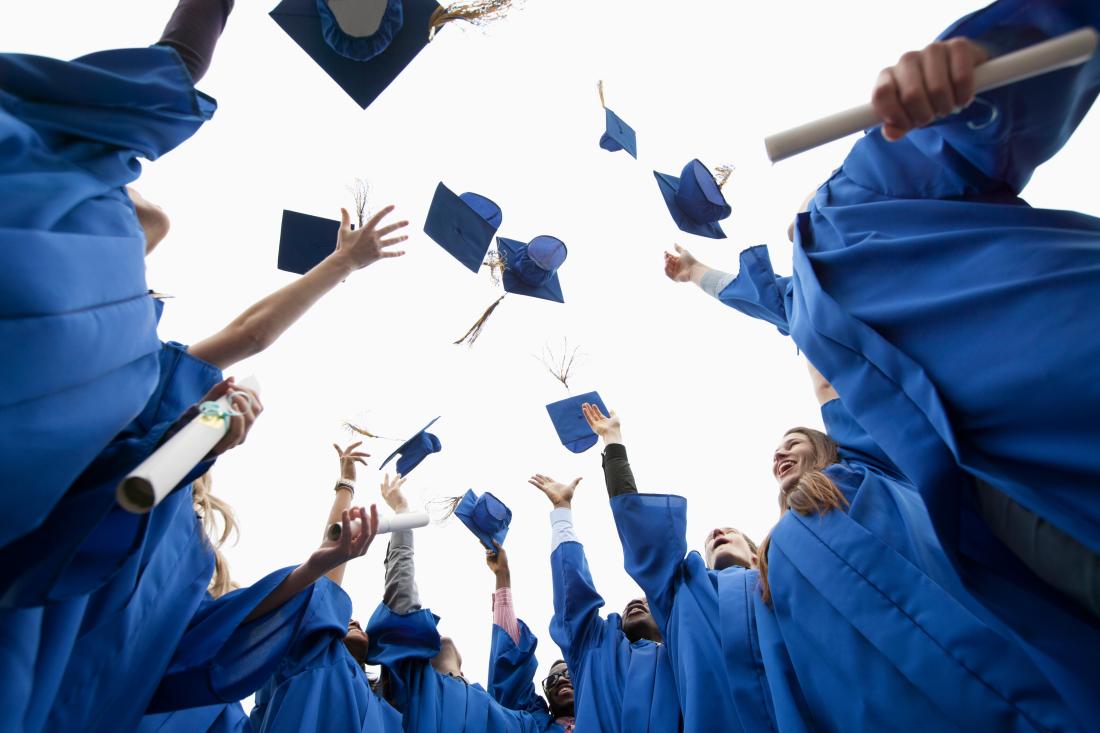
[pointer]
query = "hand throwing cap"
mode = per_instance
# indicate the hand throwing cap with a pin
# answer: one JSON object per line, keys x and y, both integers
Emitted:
{"x": 569, "y": 421}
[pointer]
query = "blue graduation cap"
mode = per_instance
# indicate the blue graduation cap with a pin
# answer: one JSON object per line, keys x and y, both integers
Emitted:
{"x": 486, "y": 516}
{"x": 695, "y": 200}
{"x": 414, "y": 450}
{"x": 362, "y": 44}
{"x": 532, "y": 268}
{"x": 463, "y": 225}
{"x": 569, "y": 421}
{"x": 305, "y": 240}
{"x": 618, "y": 135}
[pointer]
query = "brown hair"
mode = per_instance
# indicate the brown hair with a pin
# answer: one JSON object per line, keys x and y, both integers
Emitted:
{"x": 214, "y": 511}
{"x": 815, "y": 493}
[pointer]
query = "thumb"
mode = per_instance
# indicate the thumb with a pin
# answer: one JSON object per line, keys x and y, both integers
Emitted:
{"x": 679, "y": 249}
{"x": 575, "y": 482}
{"x": 345, "y": 218}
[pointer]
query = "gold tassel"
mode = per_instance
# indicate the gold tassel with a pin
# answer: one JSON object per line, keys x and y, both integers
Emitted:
{"x": 475, "y": 330}
{"x": 441, "y": 509}
{"x": 352, "y": 427}
{"x": 475, "y": 12}
{"x": 599, "y": 88}
{"x": 496, "y": 264}
{"x": 722, "y": 174}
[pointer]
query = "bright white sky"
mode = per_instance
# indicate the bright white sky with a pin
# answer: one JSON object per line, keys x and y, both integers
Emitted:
{"x": 704, "y": 393}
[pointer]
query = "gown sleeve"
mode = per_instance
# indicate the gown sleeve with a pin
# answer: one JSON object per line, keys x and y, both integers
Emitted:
{"x": 652, "y": 529}
{"x": 757, "y": 291}
{"x": 856, "y": 446}
{"x": 221, "y": 658}
{"x": 576, "y": 625}
{"x": 512, "y": 669}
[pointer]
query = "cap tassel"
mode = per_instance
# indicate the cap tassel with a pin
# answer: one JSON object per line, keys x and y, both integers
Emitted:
{"x": 496, "y": 264}
{"x": 475, "y": 330}
{"x": 360, "y": 191}
{"x": 442, "y": 509}
{"x": 363, "y": 431}
{"x": 599, "y": 88}
{"x": 722, "y": 174}
{"x": 475, "y": 12}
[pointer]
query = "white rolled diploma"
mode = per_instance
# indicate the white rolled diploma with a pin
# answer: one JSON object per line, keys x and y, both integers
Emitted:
{"x": 148, "y": 484}
{"x": 1056, "y": 53}
{"x": 394, "y": 523}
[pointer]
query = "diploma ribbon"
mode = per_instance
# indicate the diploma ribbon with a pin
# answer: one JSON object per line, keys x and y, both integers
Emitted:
{"x": 215, "y": 414}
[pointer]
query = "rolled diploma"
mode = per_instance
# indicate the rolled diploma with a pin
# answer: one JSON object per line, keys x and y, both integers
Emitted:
{"x": 148, "y": 484}
{"x": 395, "y": 523}
{"x": 1056, "y": 53}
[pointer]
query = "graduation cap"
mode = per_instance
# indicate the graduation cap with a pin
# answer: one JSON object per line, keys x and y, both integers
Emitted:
{"x": 569, "y": 422}
{"x": 463, "y": 224}
{"x": 305, "y": 240}
{"x": 695, "y": 199}
{"x": 617, "y": 134}
{"x": 486, "y": 516}
{"x": 365, "y": 44}
{"x": 414, "y": 450}
{"x": 530, "y": 269}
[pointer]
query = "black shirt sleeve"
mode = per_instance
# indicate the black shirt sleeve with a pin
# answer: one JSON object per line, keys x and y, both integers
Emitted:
{"x": 616, "y": 471}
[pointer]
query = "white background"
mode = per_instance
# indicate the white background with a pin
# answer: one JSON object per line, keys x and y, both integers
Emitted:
{"x": 704, "y": 393}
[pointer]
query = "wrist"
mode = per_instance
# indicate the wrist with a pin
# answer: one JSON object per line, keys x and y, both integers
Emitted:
{"x": 346, "y": 484}
{"x": 340, "y": 263}
{"x": 563, "y": 504}
{"x": 612, "y": 436}
{"x": 697, "y": 271}
{"x": 402, "y": 508}
{"x": 504, "y": 579}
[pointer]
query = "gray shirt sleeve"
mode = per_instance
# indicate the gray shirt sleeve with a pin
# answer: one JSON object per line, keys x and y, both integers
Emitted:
{"x": 401, "y": 594}
{"x": 715, "y": 281}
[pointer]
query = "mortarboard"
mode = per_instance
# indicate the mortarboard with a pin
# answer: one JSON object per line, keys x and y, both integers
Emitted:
{"x": 414, "y": 450}
{"x": 463, "y": 225}
{"x": 569, "y": 421}
{"x": 362, "y": 44}
{"x": 305, "y": 240}
{"x": 617, "y": 134}
{"x": 532, "y": 269}
{"x": 486, "y": 516}
{"x": 695, "y": 200}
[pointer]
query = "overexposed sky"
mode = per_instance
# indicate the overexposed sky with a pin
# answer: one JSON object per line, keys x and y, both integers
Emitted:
{"x": 513, "y": 114}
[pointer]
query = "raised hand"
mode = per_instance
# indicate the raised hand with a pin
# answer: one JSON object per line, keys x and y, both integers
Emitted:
{"x": 348, "y": 458}
{"x": 357, "y": 531}
{"x": 926, "y": 85}
{"x": 391, "y": 492}
{"x": 358, "y": 248}
{"x": 560, "y": 495}
{"x": 497, "y": 559}
{"x": 608, "y": 428}
{"x": 682, "y": 266}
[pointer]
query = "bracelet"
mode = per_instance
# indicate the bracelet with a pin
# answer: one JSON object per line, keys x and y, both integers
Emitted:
{"x": 345, "y": 484}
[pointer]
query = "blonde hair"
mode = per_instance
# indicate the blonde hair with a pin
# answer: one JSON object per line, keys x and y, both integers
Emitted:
{"x": 815, "y": 493}
{"x": 214, "y": 512}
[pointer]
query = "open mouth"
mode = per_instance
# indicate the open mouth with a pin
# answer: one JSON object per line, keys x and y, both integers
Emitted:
{"x": 784, "y": 467}
{"x": 634, "y": 608}
{"x": 718, "y": 542}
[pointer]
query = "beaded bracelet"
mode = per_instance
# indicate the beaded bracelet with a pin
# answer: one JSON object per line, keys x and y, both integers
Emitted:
{"x": 345, "y": 484}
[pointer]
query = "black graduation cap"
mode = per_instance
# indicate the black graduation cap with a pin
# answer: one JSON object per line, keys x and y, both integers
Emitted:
{"x": 362, "y": 44}
{"x": 305, "y": 240}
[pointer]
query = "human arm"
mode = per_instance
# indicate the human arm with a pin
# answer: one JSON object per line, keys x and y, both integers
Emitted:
{"x": 617, "y": 475}
{"x": 504, "y": 613}
{"x": 822, "y": 389}
{"x": 264, "y": 322}
{"x": 330, "y": 554}
{"x": 344, "y": 493}
{"x": 401, "y": 594}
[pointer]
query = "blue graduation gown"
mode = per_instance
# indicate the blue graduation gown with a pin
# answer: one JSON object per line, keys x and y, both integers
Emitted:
{"x": 228, "y": 718}
{"x": 318, "y": 685}
{"x": 77, "y": 326}
{"x": 618, "y": 685}
{"x": 429, "y": 701}
{"x": 82, "y": 563}
{"x": 959, "y": 322}
{"x": 512, "y": 669}
{"x": 707, "y": 617}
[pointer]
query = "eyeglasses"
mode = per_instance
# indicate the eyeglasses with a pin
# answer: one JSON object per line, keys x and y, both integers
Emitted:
{"x": 555, "y": 678}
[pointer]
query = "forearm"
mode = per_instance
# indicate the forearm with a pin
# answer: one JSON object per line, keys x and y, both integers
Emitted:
{"x": 504, "y": 612}
{"x": 340, "y": 503}
{"x": 822, "y": 389}
{"x": 263, "y": 323}
{"x": 401, "y": 595}
{"x": 299, "y": 579}
{"x": 617, "y": 475}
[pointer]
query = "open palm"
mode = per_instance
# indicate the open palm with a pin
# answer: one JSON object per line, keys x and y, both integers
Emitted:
{"x": 559, "y": 494}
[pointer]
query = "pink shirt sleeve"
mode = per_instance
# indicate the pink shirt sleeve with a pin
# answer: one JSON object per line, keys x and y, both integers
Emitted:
{"x": 504, "y": 613}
